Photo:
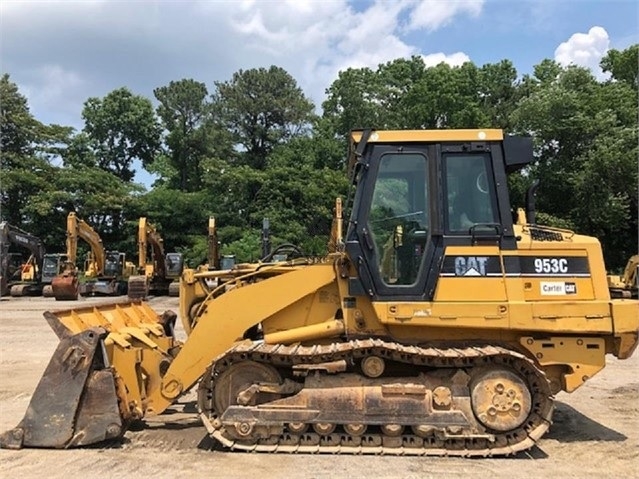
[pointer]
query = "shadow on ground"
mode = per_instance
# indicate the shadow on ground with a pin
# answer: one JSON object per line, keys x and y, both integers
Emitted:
{"x": 569, "y": 425}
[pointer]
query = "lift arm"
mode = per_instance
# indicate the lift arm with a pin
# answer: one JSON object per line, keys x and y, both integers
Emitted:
{"x": 149, "y": 236}
{"x": 77, "y": 228}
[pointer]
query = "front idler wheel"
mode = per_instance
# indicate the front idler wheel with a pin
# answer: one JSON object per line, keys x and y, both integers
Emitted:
{"x": 500, "y": 399}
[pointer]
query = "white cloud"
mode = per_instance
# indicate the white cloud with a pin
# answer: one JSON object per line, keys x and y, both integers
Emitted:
{"x": 585, "y": 49}
{"x": 62, "y": 52}
{"x": 434, "y": 14}
{"x": 454, "y": 60}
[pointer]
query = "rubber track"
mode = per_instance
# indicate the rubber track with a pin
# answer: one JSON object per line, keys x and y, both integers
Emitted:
{"x": 508, "y": 443}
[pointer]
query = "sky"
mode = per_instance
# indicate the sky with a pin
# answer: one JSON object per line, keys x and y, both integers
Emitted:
{"x": 60, "y": 53}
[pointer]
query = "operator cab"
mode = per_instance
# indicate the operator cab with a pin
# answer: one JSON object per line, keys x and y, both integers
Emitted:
{"x": 52, "y": 266}
{"x": 114, "y": 264}
{"x": 418, "y": 192}
{"x": 174, "y": 264}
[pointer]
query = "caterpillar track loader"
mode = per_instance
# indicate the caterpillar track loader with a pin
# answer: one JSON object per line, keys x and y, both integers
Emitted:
{"x": 160, "y": 276}
{"x": 437, "y": 326}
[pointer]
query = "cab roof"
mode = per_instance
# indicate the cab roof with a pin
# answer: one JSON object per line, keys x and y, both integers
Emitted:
{"x": 359, "y": 138}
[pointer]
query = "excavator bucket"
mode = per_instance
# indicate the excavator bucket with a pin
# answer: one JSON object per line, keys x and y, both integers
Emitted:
{"x": 83, "y": 398}
{"x": 65, "y": 287}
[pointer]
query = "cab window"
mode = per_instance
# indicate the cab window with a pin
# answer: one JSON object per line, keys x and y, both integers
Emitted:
{"x": 470, "y": 194}
{"x": 398, "y": 220}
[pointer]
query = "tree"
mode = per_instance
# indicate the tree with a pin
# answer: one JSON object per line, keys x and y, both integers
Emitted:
{"x": 586, "y": 137}
{"x": 186, "y": 117}
{"x": 181, "y": 217}
{"x": 261, "y": 108}
{"x": 294, "y": 191}
{"x": 623, "y": 65}
{"x": 122, "y": 127}
{"x": 405, "y": 94}
{"x": 97, "y": 196}
{"x": 24, "y": 145}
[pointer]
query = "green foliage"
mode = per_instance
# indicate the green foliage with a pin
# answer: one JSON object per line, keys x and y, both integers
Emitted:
{"x": 405, "y": 94}
{"x": 26, "y": 147}
{"x": 586, "y": 141}
{"x": 176, "y": 214}
{"x": 121, "y": 128}
{"x": 623, "y": 65}
{"x": 245, "y": 249}
{"x": 186, "y": 117}
{"x": 261, "y": 108}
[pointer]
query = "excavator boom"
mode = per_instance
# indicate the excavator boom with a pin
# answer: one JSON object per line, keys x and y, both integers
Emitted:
{"x": 153, "y": 276}
{"x": 66, "y": 285}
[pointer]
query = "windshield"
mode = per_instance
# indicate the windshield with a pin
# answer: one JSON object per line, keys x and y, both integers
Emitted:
{"x": 112, "y": 265}
{"x": 50, "y": 266}
{"x": 471, "y": 199}
{"x": 174, "y": 263}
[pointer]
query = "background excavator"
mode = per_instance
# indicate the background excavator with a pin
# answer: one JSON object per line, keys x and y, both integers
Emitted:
{"x": 437, "y": 326}
{"x": 27, "y": 280}
{"x": 160, "y": 276}
{"x": 53, "y": 264}
{"x": 626, "y": 285}
{"x": 105, "y": 272}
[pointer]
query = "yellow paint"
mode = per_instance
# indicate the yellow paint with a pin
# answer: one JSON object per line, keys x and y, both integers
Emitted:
{"x": 582, "y": 357}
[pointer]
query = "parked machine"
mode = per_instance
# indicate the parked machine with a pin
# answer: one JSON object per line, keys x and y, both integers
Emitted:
{"x": 626, "y": 285}
{"x": 160, "y": 275}
{"x": 437, "y": 326}
{"x": 53, "y": 264}
{"x": 105, "y": 272}
{"x": 26, "y": 278}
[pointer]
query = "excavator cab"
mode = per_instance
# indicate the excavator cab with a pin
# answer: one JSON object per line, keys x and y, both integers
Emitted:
{"x": 114, "y": 264}
{"x": 174, "y": 265}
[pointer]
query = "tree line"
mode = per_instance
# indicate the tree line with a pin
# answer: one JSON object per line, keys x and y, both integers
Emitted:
{"x": 255, "y": 147}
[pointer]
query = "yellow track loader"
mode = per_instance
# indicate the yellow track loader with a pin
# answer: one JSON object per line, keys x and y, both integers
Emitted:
{"x": 436, "y": 326}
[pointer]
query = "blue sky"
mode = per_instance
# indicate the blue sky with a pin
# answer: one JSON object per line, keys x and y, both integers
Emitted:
{"x": 62, "y": 52}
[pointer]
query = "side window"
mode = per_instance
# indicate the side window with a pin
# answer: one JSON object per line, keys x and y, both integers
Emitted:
{"x": 470, "y": 195}
{"x": 398, "y": 219}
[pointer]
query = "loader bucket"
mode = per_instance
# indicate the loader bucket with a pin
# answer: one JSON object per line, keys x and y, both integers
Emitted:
{"x": 75, "y": 402}
{"x": 65, "y": 287}
{"x": 95, "y": 383}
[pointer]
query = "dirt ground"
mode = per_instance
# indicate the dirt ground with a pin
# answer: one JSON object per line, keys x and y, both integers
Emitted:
{"x": 595, "y": 431}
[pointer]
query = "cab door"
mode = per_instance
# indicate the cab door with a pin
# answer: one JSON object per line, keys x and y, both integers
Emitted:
{"x": 391, "y": 241}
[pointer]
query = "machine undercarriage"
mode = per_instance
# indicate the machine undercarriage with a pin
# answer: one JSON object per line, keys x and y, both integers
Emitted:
{"x": 371, "y": 396}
